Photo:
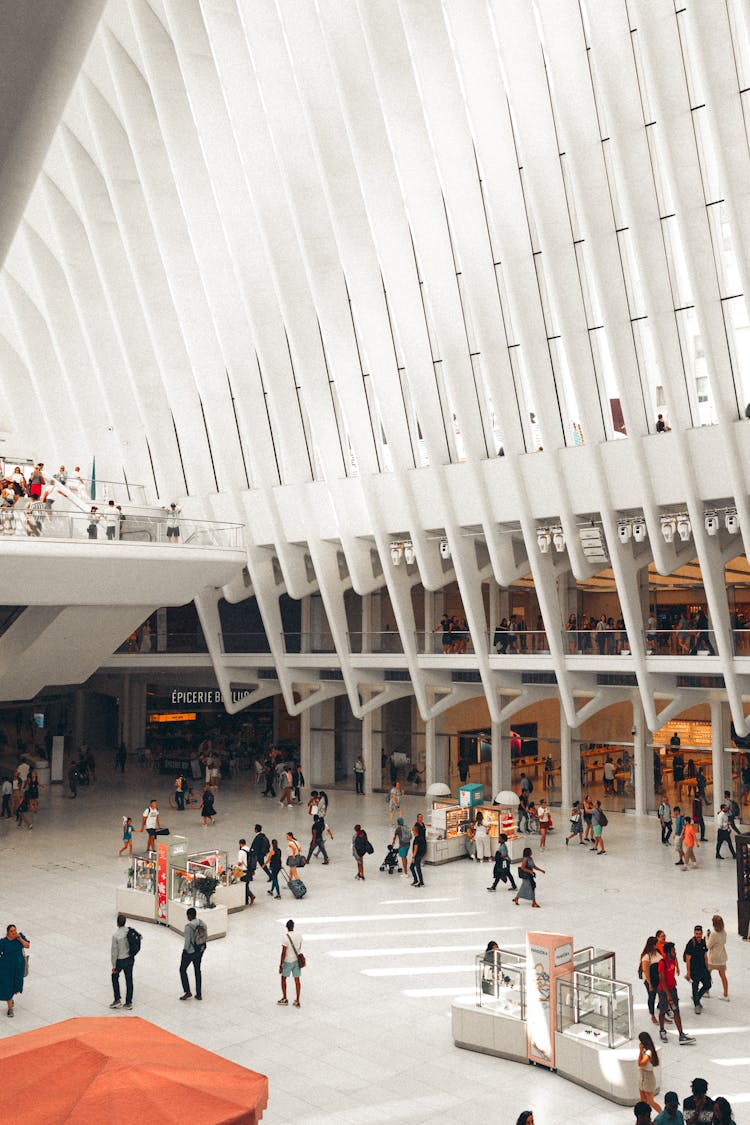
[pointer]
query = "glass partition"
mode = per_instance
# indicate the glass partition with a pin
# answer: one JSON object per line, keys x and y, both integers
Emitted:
{"x": 144, "y": 874}
{"x": 594, "y": 1008}
{"x": 501, "y": 982}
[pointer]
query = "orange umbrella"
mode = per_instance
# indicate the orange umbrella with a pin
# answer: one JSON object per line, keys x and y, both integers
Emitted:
{"x": 115, "y": 1070}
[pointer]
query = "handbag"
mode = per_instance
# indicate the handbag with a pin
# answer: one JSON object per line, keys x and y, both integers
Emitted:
{"x": 301, "y": 959}
{"x": 297, "y": 860}
{"x": 25, "y": 964}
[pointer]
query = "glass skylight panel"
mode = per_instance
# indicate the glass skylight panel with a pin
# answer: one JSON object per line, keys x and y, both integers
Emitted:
{"x": 713, "y": 188}
{"x": 651, "y": 377}
{"x": 738, "y": 336}
{"x": 740, "y": 32}
{"x": 696, "y": 91}
{"x": 697, "y": 380}
{"x": 633, "y": 288}
{"x": 730, "y": 282}
{"x": 678, "y": 275}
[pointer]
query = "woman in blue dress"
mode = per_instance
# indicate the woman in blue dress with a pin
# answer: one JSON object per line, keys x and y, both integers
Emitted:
{"x": 527, "y": 887}
{"x": 11, "y": 965}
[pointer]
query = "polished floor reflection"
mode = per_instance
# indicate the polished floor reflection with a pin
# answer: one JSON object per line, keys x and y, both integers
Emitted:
{"x": 371, "y": 1042}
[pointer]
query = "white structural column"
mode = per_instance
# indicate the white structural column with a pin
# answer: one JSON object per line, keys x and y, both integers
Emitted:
{"x": 368, "y": 753}
{"x": 501, "y": 765}
{"x": 321, "y": 742}
{"x": 305, "y": 724}
{"x": 644, "y": 770}
{"x": 720, "y": 761}
{"x": 570, "y": 772}
{"x": 436, "y": 753}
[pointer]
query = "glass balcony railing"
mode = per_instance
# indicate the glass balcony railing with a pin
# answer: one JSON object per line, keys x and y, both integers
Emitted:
{"x": 431, "y": 641}
{"x": 152, "y": 644}
{"x": 511, "y": 643}
{"x": 244, "y": 642}
{"x": 49, "y": 523}
{"x": 589, "y": 642}
{"x": 387, "y": 642}
{"x": 314, "y": 641}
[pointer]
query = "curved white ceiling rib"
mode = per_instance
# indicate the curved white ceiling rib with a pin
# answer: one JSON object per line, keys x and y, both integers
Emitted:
{"x": 318, "y": 260}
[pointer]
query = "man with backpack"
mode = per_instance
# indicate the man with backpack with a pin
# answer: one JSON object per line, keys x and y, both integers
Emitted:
{"x": 196, "y": 936}
{"x": 665, "y": 820}
{"x": 123, "y": 956}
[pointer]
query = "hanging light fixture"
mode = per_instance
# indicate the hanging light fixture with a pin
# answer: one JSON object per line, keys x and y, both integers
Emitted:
{"x": 732, "y": 522}
{"x": 396, "y": 549}
{"x": 684, "y": 528}
{"x": 668, "y": 528}
{"x": 543, "y": 540}
{"x": 409, "y": 554}
{"x": 624, "y": 531}
{"x": 558, "y": 538}
{"x": 445, "y": 549}
{"x": 640, "y": 531}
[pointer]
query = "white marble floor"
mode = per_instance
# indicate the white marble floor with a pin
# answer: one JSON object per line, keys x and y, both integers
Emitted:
{"x": 372, "y": 1040}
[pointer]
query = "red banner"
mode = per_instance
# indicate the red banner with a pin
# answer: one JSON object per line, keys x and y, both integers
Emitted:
{"x": 161, "y": 882}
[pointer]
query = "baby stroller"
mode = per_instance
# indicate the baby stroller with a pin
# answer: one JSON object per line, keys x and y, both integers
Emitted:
{"x": 390, "y": 863}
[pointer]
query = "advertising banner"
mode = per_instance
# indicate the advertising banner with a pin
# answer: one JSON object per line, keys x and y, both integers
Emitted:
{"x": 161, "y": 881}
{"x": 547, "y": 956}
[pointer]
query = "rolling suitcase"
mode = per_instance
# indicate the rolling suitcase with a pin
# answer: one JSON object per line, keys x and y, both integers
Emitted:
{"x": 296, "y": 886}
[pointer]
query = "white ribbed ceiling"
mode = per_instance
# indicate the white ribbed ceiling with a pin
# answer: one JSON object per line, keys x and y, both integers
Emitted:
{"x": 275, "y": 242}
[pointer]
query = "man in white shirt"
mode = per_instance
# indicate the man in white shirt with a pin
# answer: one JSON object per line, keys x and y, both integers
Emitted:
{"x": 7, "y": 789}
{"x": 244, "y": 863}
{"x": 151, "y": 823}
{"x": 723, "y": 833}
{"x": 289, "y": 965}
{"x": 111, "y": 520}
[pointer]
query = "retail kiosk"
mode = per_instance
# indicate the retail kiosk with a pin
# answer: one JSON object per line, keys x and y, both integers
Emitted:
{"x": 557, "y": 1008}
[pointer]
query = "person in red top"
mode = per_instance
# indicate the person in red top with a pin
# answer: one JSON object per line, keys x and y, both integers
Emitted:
{"x": 689, "y": 843}
{"x": 669, "y": 970}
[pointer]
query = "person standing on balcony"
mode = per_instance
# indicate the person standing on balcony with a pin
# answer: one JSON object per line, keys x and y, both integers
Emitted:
{"x": 93, "y": 524}
{"x": 173, "y": 523}
{"x": 111, "y": 521}
{"x": 701, "y": 638}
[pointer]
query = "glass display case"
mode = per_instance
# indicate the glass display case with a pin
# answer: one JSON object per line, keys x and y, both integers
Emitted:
{"x": 208, "y": 863}
{"x": 590, "y": 959}
{"x": 144, "y": 874}
{"x": 501, "y": 982}
{"x": 449, "y": 820}
{"x": 182, "y": 886}
{"x": 596, "y": 1009}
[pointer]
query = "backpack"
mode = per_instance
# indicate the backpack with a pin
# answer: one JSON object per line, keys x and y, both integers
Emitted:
{"x": 734, "y": 809}
{"x": 200, "y": 934}
{"x": 664, "y": 811}
{"x": 134, "y": 942}
{"x": 368, "y": 847}
{"x": 603, "y": 820}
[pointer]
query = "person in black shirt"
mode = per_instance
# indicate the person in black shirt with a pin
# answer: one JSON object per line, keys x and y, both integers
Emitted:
{"x": 696, "y": 970}
{"x": 419, "y": 847}
{"x": 699, "y": 1107}
{"x": 260, "y": 848}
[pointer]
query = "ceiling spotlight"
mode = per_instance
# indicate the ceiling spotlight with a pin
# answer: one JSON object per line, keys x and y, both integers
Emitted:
{"x": 712, "y": 523}
{"x": 445, "y": 549}
{"x": 396, "y": 550}
{"x": 409, "y": 553}
{"x": 684, "y": 528}
{"x": 543, "y": 539}
{"x": 558, "y": 538}
{"x": 668, "y": 528}
{"x": 732, "y": 522}
{"x": 624, "y": 531}
{"x": 639, "y": 531}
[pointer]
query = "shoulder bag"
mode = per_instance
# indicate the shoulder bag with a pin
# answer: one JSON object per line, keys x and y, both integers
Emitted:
{"x": 301, "y": 959}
